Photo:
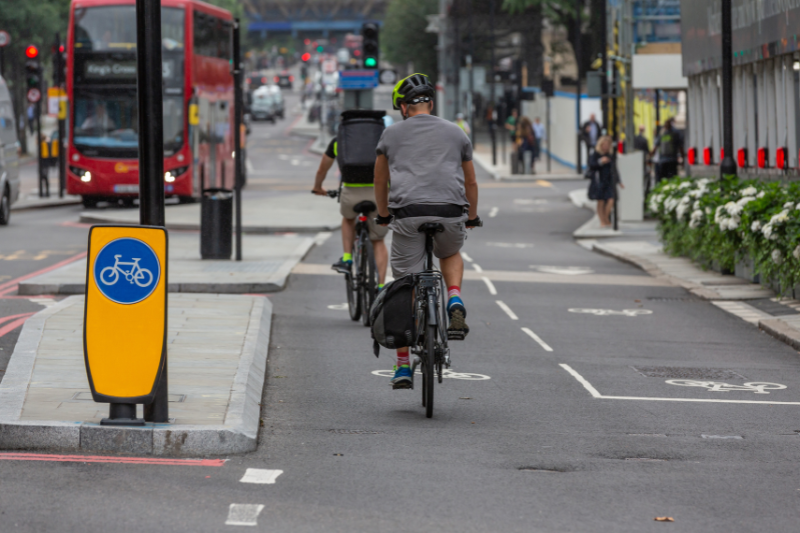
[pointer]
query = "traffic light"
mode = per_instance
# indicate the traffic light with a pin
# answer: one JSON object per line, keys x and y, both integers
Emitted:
{"x": 305, "y": 57}
{"x": 33, "y": 69}
{"x": 369, "y": 45}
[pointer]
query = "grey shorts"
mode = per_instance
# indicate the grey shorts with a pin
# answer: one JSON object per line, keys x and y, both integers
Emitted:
{"x": 349, "y": 197}
{"x": 408, "y": 244}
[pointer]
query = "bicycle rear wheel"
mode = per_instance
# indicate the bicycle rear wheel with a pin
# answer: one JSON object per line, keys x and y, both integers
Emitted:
{"x": 353, "y": 299}
{"x": 428, "y": 369}
{"x": 369, "y": 283}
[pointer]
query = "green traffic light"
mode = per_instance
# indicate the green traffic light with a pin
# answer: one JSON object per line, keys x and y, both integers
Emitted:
{"x": 370, "y": 62}
{"x": 320, "y": 49}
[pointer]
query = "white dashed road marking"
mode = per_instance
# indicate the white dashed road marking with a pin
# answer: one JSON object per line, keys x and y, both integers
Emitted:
{"x": 260, "y": 476}
{"x": 538, "y": 339}
{"x": 243, "y": 514}
{"x": 490, "y": 285}
{"x": 508, "y": 310}
{"x": 466, "y": 258}
{"x": 493, "y": 212}
{"x": 477, "y": 267}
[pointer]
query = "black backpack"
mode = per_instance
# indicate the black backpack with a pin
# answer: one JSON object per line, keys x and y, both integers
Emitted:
{"x": 392, "y": 315}
{"x": 356, "y": 140}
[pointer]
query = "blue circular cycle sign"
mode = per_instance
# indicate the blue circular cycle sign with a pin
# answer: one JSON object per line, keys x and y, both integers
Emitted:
{"x": 127, "y": 271}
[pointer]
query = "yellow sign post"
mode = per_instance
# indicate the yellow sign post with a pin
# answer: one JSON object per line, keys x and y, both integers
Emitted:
{"x": 125, "y": 317}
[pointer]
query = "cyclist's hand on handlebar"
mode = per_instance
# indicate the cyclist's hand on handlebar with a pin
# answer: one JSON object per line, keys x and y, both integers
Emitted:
{"x": 474, "y": 222}
{"x": 383, "y": 220}
{"x": 319, "y": 192}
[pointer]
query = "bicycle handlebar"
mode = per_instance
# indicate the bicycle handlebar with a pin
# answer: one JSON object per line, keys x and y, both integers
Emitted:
{"x": 474, "y": 223}
{"x": 332, "y": 194}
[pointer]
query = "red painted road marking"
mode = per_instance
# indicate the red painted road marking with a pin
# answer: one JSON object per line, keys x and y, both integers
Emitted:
{"x": 10, "y": 456}
{"x": 289, "y": 128}
{"x": 11, "y": 286}
{"x": 8, "y": 328}
{"x": 9, "y": 317}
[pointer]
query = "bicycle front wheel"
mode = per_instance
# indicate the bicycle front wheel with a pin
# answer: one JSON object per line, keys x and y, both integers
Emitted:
{"x": 427, "y": 378}
{"x": 369, "y": 283}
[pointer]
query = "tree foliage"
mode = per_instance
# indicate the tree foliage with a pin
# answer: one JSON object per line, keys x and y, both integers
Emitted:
{"x": 403, "y": 36}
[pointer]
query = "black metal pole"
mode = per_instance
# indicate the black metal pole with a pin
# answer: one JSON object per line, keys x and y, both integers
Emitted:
{"x": 237, "y": 135}
{"x": 2, "y": 61}
{"x": 578, "y": 53}
{"x": 44, "y": 185}
{"x": 60, "y": 82}
{"x": 658, "y": 112}
{"x": 471, "y": 74}
{"x": 728, "y": 165}
{"x": 547, "y": 132}
{"x": 493, "y": 96}
{"x": 151, "y": 149}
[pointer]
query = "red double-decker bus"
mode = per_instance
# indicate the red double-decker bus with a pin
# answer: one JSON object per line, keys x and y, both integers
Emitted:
{"x": 101, "y": 87}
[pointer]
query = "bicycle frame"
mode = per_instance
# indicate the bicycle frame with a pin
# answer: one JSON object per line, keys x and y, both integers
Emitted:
{"x": 429, "y": 288}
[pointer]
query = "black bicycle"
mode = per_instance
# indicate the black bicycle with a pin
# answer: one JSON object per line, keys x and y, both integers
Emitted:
{"x": 430, "y": 348}
{"x": 362, "y": 280}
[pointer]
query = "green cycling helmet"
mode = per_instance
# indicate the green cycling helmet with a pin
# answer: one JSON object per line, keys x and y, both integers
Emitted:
{"x": 413, "y": 89}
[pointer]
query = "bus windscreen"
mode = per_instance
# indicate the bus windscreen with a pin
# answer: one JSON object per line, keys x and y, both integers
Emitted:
{"x": 113, "y": 28}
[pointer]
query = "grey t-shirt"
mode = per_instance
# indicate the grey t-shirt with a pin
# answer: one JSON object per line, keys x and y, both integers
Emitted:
{"x": 425, "y": 154}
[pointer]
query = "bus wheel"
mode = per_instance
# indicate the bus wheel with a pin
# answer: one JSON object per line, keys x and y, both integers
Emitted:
{"x": 186, "y": 199}
{"x": 89, "y": 202}
{"x": 127, "y": 202}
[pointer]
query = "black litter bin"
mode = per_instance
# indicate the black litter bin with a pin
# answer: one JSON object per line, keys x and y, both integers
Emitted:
{"x": 216, "y": 224}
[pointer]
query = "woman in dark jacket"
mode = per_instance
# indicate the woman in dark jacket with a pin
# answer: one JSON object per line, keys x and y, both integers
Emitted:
{"x": 605, "y": 178}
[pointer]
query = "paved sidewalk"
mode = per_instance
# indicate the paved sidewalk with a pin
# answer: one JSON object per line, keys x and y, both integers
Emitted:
{"x": 300, "y": 212}
{"x": 482, "y": 154}
{"x": 217, "y": 352}
{"x": 266, "y": 263}
{"x": 34, "y": 201}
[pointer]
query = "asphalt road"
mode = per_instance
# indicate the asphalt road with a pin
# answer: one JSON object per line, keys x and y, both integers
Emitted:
{"x": 518, "y": 441}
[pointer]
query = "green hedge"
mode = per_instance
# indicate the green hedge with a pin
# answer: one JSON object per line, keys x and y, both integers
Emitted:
{"x": 729, "y": 221}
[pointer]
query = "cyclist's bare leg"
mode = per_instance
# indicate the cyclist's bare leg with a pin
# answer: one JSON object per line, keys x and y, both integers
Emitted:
{"x": 381, "y": 259}
{"x": 452, "y": 269}
{"x": 348, "y": 234}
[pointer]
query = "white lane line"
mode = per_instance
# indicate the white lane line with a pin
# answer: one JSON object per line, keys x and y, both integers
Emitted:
{"x": 538, "y": 339}
{"x": 249, "y": 165}
{"x": 586, "y": 384}
{"x": 467, "y": 258}
{"x": 595, "y": 394}
{"x": 243, "y": 514}
{"x": 493, "y": 212}
{"x": 260, "y": 476}
{"x": 507, "y": 309}
{"x": 490, "y": 285}
{"x": 477, "y": 267}
{"x": 321, "y": 237}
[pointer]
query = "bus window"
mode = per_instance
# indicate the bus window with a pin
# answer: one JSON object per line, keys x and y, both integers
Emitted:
{"x": 113, "y": 28}
{"x": 212, "y": 36}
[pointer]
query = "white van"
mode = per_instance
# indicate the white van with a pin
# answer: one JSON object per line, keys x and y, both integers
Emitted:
{"x": 9, "y": 159}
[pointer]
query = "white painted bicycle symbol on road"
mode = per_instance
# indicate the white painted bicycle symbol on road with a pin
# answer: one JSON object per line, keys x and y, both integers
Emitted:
{"x": 445, "y": 374}
{"x": 136, "y": 274}
{"x": 756, "y": 387}
{"x": 610, "y": 312}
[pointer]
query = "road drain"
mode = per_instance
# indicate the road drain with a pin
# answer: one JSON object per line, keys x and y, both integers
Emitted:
{"x": 645, "y": 459}
{"x": 538, "y": 469}
{"x": 355, "y": 432}
{"x": 678, "y": 372}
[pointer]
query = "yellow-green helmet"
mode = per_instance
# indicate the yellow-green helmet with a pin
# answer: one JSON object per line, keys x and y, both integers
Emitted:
{"x": 415, "y": 87}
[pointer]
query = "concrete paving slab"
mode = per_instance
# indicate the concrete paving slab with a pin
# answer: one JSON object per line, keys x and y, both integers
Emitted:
{"x": 300, "y": 212}
{"x": 214, "y": 401}
{"x": 266, "y": 265}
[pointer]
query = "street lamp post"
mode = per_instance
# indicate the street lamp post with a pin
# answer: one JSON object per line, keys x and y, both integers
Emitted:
{"x": 727, "y": 167}
{"x": 578, "y": 53}
{"x": 151, "y": 149}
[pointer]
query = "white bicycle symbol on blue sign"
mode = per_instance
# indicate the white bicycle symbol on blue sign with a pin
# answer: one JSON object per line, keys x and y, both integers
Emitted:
{"x": 138, "y": 275}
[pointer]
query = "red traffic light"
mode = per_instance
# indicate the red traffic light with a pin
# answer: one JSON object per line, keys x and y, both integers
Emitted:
{"x": 306, "y": 57}
{"x": 32, "y": 52}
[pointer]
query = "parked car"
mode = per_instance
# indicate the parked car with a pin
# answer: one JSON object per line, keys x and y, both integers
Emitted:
{"x": 263, "y": 107}
{"x": 9, "y": 155}
{"x": 284, "y": 80}
{"x": 280, "y": 107}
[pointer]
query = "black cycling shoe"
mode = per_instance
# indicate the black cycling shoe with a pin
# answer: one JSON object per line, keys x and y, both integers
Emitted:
{"x": 342, "y": 267}
{"x": 458, "y": 329}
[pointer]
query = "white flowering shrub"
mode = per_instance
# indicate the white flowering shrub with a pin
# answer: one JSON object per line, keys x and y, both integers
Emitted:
{"x": 727, "y": 222}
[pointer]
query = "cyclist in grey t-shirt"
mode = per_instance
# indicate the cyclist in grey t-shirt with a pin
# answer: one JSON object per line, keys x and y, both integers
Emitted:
{"x": 429, "y": 163}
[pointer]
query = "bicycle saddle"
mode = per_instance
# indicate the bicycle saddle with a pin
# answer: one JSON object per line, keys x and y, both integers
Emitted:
{"x": 366, "y": 207}
{"x": 431, "y": 227}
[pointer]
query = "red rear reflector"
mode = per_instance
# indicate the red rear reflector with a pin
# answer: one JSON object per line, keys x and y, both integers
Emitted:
{"x": 741, "y": 157}
{"x": 781, "y": 159}
{"x": 692, "y": 156}
{"x": 362, "y": 218}
{"x": 763, "y": 158}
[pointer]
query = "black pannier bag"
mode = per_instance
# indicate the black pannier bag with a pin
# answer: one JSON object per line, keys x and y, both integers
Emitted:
{"x": 356, "y": 140}
{"x": 392, "y": 315}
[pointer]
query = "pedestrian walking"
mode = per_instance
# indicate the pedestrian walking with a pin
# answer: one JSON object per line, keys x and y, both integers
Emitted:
{"x": 31, "y": 117}
{"x": 462, "y": 123}
{"x": 526, "y": 143}
{"x": 591, "y": 130}
{"x": 539, "y": 133}
{"x": 604, "y": 179}
{"x": 669, "y": 147}
{"x": 640, "y": 142}
{"x": 511, "y": 125}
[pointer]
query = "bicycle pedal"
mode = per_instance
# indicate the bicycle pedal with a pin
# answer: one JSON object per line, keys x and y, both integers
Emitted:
{"x": 456, "y": 334}
{"x": 403, "y": 385}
